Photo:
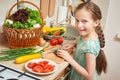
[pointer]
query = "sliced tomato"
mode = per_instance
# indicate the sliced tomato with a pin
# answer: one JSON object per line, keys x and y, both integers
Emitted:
{"x": 31, "y": 64}
{"x": 47, "y": 70}
{"x": 42, "y": 66}
{"x": 37, "y": 69}
{"x": 51, "y": 67}
{"x": 45, "y": 62}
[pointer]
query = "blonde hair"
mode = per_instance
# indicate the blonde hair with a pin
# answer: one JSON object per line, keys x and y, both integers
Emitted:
{"x": 101, "y": 62}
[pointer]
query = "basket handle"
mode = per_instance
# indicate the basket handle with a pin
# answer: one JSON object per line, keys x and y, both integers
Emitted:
{"x": 23, "y": 2}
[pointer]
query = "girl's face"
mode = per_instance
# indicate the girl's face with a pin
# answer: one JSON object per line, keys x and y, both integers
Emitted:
{"x": 85, "y": 23}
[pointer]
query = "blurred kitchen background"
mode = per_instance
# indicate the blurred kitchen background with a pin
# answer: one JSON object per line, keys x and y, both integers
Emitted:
{"x": 59, "y": 12}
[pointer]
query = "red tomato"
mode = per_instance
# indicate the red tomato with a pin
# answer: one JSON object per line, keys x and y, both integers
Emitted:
{"x": 42, "y": 66}
{"x": 53, "y": 42}
{"x": 37, "y": 69}
{"x": 31, "y": 64}
{"x": 43, "y": 62}
{"x": 60, "y": 40}
{"x": 48, "y": 68}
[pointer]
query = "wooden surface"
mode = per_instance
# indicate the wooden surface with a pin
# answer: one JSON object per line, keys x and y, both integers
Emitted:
{"x": 52, "y": 56}
{"x": 61, "y": 75}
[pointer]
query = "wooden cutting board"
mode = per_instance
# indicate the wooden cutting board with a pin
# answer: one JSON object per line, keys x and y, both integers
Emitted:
{"x": 51, "y": 10}
{"x": 44, "y": 7}
{"x": 48, "y": 54}
{"x": 51, "y": 47}
{"x": 52, "y": 56}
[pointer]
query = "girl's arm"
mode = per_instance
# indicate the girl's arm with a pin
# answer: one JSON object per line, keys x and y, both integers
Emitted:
{"x": 87, "y": 72}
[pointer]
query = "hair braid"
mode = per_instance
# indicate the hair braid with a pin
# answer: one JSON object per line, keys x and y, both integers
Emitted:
{"x": 101, "y": 62}
{"x": 101, "y": 36}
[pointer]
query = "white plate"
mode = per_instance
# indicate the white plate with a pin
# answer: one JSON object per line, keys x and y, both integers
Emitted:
{"x": 38, "y": 60}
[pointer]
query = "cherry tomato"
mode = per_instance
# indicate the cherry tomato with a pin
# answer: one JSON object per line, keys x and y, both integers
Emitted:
{"x": 60, "y": 40}
{"x": 53, "y": 42}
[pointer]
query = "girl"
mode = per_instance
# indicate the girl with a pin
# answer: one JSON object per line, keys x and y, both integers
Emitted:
{"x": 89, "y": 60}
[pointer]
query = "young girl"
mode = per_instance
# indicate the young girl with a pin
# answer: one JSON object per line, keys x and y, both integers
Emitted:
{"x": 89, "y": 60}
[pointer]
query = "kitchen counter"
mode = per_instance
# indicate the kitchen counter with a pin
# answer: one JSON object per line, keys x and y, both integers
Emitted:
{"x": 3, "y": 45}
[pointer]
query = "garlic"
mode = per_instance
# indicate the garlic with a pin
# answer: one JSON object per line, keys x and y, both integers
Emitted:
{"x": 9, "y": 21}
{"x": 36, "y": 25}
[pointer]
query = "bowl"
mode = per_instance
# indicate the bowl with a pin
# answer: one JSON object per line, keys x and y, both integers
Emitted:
{"x": 49, "y": 33}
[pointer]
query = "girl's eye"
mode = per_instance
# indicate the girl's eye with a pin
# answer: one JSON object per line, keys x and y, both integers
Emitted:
{"x": 84, "y": 21}
{"x": 77, "y": 20}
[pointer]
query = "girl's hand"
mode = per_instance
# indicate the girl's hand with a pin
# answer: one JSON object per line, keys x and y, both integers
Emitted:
{"x": 65, "y": 55}
{"x": 69, "y": 47}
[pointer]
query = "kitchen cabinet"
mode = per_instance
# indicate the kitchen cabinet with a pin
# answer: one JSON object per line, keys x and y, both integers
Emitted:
{"x": 61, "y": 75}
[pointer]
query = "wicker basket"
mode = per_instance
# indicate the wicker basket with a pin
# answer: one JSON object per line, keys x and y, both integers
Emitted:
{"x": 19, "y": 38}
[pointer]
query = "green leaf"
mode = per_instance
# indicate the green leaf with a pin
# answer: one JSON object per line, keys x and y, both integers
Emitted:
{"x": 18, "y": 25}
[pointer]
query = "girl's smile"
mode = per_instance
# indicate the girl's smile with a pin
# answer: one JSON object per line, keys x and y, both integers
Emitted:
{"x": 82, "y": 31}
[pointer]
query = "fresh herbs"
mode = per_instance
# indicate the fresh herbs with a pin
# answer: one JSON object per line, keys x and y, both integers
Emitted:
{"x": 24, "y": 19}
{"x": 21, "y": 15}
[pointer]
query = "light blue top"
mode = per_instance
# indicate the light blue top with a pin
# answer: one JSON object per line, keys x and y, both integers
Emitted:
{"x": 90, "y": 46}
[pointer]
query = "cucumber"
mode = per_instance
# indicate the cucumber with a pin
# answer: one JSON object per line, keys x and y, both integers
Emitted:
{"x": 51, "y": 33}
{"x": 62, "y": 31}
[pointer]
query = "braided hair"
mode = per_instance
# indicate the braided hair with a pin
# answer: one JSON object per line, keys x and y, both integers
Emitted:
{"x": 101, "y": 62}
